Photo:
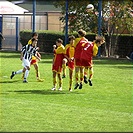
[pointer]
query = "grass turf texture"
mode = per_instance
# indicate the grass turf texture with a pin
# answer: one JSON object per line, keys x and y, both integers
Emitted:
{"x": 33, "y": 107}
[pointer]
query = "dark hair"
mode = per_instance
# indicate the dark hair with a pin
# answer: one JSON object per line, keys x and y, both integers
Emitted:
{"x": 34, "y": 34}
{"x": 71, "y": 38}
{"x": 59, "y": 40}
{"x": 99, "y": 39}
{"x": 33, "y": 39}
{"x": 82, "y": 32}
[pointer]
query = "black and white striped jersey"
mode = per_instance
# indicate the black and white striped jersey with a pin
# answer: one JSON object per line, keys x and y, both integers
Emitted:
{"x": 28, "y": 51}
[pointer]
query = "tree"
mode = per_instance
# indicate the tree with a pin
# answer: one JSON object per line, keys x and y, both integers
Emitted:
{"x": 117, "y": 17}
{"x": 78, "y": 16}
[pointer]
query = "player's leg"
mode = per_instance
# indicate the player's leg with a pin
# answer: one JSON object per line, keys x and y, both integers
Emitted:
{"x": 37, "y": 72}
{"x": 17, "y": 72}
{"x": 64, "y": 67}
{"x": 90, "y": 75}
{"x": 14, "y": 73}
{"x": 26, "y": 64}
{"x": 60, "y": 81}
{"x": 26, "y": 74}
{"x": 54, "y": 81}
{"x": 85, "y": 74}
{"x": 70, "y": 79}
{"x": 76, "y": 77}
{"x": 81, "y": 77}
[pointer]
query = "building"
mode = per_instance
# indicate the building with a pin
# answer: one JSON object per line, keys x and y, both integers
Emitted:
{"x": 47, "y": 18}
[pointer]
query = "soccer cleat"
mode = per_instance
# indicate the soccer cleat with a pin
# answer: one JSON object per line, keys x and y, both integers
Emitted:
{"x": 53, "y": 89}
{"x": 80, "y": 86}
{"x": 76, "y": 86}
{"x": 90, "y": 83}
{"x": 85, "y": 79}
{"x": 128, "y": 58}
{"x": 40, "y": 80}
{"x": 25, "y": 81}
{"x": 12, "y": 75}
{"x": 64, "y": 76}
{"x": 70, "y": 89}
{"x": 60, "y": 89}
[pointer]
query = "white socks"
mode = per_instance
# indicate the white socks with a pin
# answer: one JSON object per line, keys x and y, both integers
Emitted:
{"x": 19, "y": 71}
{"x": 26, "y": 74}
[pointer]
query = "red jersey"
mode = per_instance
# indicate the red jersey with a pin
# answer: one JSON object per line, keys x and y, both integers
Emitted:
{"x": 58, "y": 57}
{"x": 78, "y": 46}
{"x": 70, "y": 54}
{"x": 89, "y": 50}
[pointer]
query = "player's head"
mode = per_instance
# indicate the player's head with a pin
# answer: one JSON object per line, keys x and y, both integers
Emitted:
{"x": 59, "y": 42}
{"x": 99, "y": 40}
{"x": 81, "y": 33}
{"x": 34, "y": 42}
{"x": 71, "y": 39}
{"x": 35, "y": 35}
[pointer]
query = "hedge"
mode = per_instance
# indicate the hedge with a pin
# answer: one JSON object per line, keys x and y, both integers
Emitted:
{"x": 46, "y": 40}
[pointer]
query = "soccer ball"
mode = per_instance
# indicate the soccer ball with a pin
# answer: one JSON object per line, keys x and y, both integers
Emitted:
{"x": 89, "y": 7}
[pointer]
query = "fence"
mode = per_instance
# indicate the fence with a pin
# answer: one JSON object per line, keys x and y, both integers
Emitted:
{"x": 45, "y": 21}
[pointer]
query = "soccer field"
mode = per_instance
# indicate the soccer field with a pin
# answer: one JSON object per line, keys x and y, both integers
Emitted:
{"x": 33, "y": 107}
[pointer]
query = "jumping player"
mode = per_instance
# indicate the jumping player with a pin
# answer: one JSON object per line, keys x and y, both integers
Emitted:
{"x": 89, "y": 50}
{"x": 78, "y": 66}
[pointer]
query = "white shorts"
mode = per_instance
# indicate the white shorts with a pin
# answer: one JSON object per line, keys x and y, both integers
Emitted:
{"x": 25, "y": 63}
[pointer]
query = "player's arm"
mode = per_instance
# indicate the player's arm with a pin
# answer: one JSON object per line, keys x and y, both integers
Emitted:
{"x": 37, "y": 55}
{"x": 22, "y": 51}
{"x": 21, "y": 56}
{"x": 66, "y": 55}
{"x": 76, "y": 41}
{"x": 95, "y": 50}
{"x": 54, "y": 48}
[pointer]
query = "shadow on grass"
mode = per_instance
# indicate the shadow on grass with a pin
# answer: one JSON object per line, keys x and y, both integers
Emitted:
{"x": 14, "y": 81}
{"x": 10, "y": 56}
{"x": 109, "y": 61}
{"x": 124, "y": 67}
{"x": 44, "y": 92}
{"x": 47, "y": 61}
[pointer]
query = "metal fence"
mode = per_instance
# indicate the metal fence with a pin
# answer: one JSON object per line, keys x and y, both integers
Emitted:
{"x": 11, "y": 27}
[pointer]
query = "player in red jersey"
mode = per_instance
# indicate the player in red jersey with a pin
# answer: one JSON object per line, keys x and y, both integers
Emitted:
{"x": 89, "y": 50}
{"x": 78, "y": 66}
{"x": 57, "y": 62}
{"x": 69, "y": 56}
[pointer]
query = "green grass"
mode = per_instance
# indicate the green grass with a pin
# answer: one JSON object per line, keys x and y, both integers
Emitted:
{"x": 33, "y": 107}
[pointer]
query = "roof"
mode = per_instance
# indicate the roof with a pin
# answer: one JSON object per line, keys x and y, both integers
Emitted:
{"x": 41, "y": 5}
{"x": 7, "y": 7}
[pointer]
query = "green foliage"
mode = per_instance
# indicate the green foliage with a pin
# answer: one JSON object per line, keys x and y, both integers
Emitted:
{"x": 46, "y": 39}
{"x": 33, "y": 107}
{"x": 119, "y": 14}
{"x": 78, "y": 16}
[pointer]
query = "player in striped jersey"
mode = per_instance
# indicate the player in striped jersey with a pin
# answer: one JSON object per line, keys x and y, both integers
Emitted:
{"x": 34, "y": 60}
{"x": 26, "y": 55}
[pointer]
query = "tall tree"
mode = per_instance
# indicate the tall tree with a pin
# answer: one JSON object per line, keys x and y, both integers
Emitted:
{"x": 117, "y": 18}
